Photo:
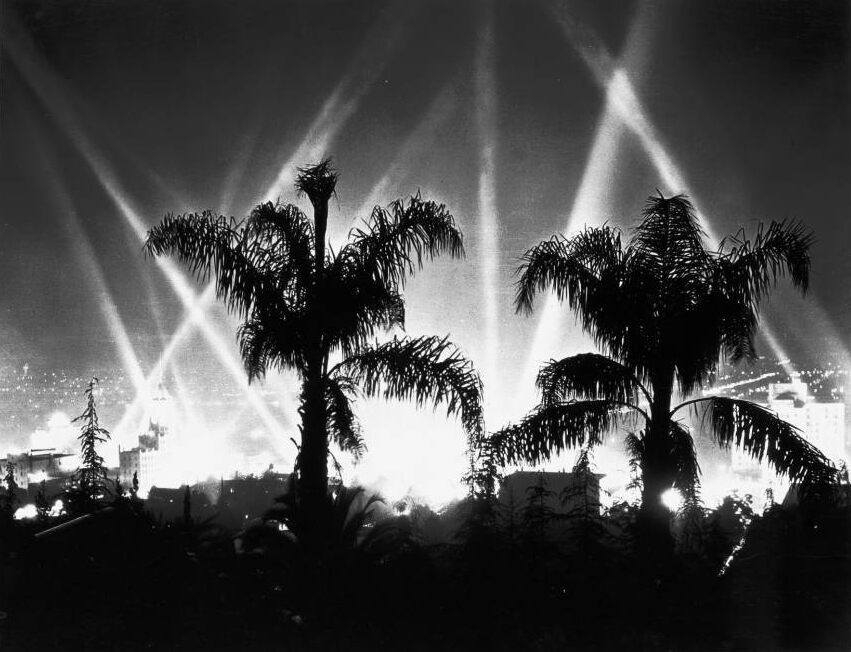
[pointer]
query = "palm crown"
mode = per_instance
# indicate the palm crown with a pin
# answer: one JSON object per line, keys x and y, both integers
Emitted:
{"x": 318, "y": 312}
{"x": 665, "y": 310}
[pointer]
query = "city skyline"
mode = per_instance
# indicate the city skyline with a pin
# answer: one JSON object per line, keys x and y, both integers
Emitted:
{"x": 188, "y": 463}
{"x": 524, "y": 121}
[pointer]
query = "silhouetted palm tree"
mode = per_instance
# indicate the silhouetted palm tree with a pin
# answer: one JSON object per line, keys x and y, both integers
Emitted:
{"x": 665, "y": 310}
{"x": 317, "y": 312}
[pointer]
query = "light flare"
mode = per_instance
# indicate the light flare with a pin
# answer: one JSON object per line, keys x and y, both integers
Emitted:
{"x": 489, "y": 252}
{"x": 673, "y": 500}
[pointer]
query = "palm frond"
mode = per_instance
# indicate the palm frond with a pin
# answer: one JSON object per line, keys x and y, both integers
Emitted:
{"x": 356, "y": 306}
{"x": 684, "y": 457}
{"x": 317, "y": 181}
{"x": 281, "y": 240}
{"x": 550, "y": 429}
{"x": 395, "y": 241}
{"x": 588, "y": 376}
{"x": 714, "y": 326}
{"x": 343, "y": 426}
{"x": 668, "y": 244}
{"x": 422, "y": 369}
{"x": 584, "y": 270}
{"x": 753, "y": 266}
{"x": 635, "y": 451}
{"x": 272, "y": 339}
{"x": 209, "y": 244}
{"x": 634, "y": 446}
{"x": 762, "y": 434}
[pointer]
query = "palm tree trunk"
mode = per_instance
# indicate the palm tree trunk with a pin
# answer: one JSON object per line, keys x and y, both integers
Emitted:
{"x": 312, "y": 484}
{"x": 654, "y": 539}
{"x": 320, "y": 222}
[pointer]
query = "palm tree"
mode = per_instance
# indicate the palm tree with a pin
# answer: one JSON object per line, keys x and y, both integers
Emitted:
{"x": 665, "y": 310}
{"x": 317, "y": 311}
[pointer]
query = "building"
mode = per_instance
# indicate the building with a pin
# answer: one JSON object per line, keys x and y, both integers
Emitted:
{"x": 39, "y": 465}
{"x": 146, "y": 459}
{"x": 822, "y": 423}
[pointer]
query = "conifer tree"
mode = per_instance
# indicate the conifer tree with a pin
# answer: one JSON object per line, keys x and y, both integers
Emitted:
{"x": 90, "y": 480}
{"x": 10, "y": 498}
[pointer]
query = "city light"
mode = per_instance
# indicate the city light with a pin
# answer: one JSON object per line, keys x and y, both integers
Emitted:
{"x": 623, "y": 116}
{"x": 395, "y": 443}
{"x": 27, "y": 511}
{"x": 673, "y": 500}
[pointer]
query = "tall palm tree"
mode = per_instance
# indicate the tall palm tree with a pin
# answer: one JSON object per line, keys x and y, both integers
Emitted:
{"x": 317, "y": 312}
{"x": 665, "y": 311}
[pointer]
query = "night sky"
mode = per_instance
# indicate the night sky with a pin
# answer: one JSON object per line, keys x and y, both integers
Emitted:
{"x": 492, "y": 108}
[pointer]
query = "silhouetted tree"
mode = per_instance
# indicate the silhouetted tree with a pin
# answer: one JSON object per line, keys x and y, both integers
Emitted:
{"x": 134, "y": 487}
{"x": 478, "y": 533}
{"x": 187, "y": 505}
{"x": 42, "y": 504}
{"x": 665, "y": 310}
{"x": 537, "y": 513}
{"x": 587, "y": 532}
{"x": 89, "y": 483}
{"x": 118, "y": 489}
{"x": 10, "y": 495}
{"x": 305, "y": 306}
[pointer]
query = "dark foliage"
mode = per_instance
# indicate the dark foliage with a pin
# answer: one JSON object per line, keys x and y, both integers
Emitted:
{"x": 90, "y": 485}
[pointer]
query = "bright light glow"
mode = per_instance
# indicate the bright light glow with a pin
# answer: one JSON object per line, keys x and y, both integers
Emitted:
{"x": 489, "y": 252}
{"x": 27, "y": 511}
{"x": 424, "y": 454}
{"x": 672, "y": 499}
{"x": 59, "y": 433}
{"x": 194, "y": 315}
{"x": 86, "y": 254}
{"x": 782, "y": 356}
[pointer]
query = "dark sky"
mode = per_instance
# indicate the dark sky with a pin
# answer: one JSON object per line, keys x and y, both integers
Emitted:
{"x": 190, "y": 105}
